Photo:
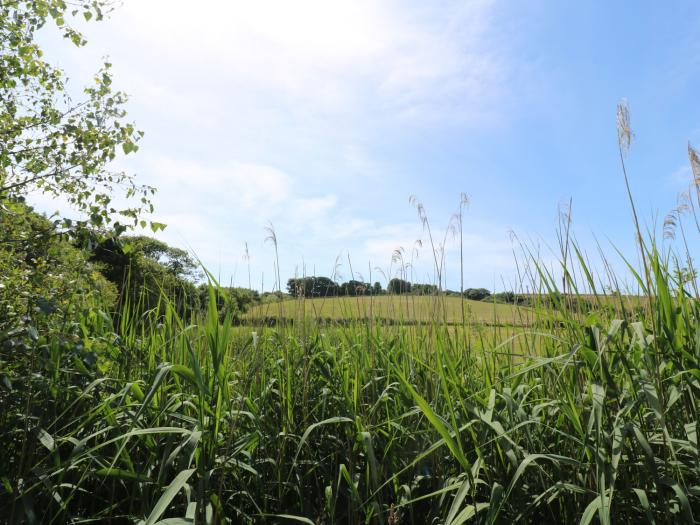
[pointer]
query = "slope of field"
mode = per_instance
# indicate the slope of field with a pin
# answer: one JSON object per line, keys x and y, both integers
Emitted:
{"x": 419, "y": 309}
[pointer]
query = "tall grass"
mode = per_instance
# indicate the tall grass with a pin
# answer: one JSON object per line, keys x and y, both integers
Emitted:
{"x": 174, "y": 419}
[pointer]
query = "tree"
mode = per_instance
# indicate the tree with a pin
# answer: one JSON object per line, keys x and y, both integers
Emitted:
{"x": 231, "y": 301}
{"x": 512, "y": 298}
{"x": 143, "y": 268}
{"x": 312, "y": 287}
{"x": 51, "y": 143}
{"x": 399, "y": 286}
{"x": 324, "y": 287}
{"x": 377, "y": 288}
{"x": 353, "y": 288}
{"x": 43, "y": 275}
{"x": 299, "y": 287}
{"x": 476, "y": 294}
{"x": 424, "y": 289}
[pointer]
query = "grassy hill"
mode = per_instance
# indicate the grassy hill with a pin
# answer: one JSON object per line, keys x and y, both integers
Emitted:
{"x": 419, "y": 309}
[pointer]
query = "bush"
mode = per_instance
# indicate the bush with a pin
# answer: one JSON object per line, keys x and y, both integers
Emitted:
{"x": 424, "y": 289}
{"x": 42, "y": 271}
{"x": 476, "y": 294}
{"x": 398, "y": 286}
{"x": 312, "y": 287}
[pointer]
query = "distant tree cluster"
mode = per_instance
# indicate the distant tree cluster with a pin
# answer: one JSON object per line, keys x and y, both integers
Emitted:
{"x": 312, "y": 287}
{"x": 230, "y": 300}
{"x": 424, "y": 289}
{"x": 399, "y": 286}
{"x": 476, "y": 294}
{"x": 326, "y": 287}
{"x": 511, "y": 298}
{"x": 355, "y": 288}
{"x": 319, "y": 286}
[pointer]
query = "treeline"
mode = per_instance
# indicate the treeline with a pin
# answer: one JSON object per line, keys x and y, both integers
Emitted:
{"x": 320, "y": 286}
{"x": 327, "y": 287}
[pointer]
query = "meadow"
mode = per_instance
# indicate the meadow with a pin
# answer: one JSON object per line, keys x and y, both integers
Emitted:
{"x": 406, "y": 309}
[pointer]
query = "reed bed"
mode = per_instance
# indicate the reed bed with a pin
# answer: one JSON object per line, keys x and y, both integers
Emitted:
{"x": 163, "y": 419}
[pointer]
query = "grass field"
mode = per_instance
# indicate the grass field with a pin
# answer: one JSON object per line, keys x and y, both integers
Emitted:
{"x": 406, "y": 308}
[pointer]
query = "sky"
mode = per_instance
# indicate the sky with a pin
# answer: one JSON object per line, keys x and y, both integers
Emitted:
{"x": 322, "y": 119}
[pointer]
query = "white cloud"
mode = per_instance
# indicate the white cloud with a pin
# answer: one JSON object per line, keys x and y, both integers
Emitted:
{"x": 270, "y": 110}
{"x": 235, "y": 189}
{"x": 333, "y": 58}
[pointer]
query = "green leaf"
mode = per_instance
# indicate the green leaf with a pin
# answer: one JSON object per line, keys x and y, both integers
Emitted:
{"x": 469, "y": 512}
{"x": 463, "y": 491}
{"x": 189, "y": 375}
{"x": 32, "y": 333}
{"x": 437, "y": 423}
{"x": 591, "y": 511}
{"x": 121, "y": 474}
{"x": 169, "y": 494}
{"x": 686, "y": 508}
{"x": 5, "y": 381}
{"x": 311, "y": 428}
{"x": 291, "y": 517}
{"x": 46, "y": 439}
{"x": 644, "y": 502}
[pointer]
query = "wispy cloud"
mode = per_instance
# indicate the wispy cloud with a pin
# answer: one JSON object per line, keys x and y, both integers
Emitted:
{"x": 271, "y": 111}
{"x": 333, "y": 58}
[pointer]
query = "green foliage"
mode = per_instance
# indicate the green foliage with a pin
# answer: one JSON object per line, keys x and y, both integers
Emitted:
{"x": 178, "y": 421}
{"x": 147, "y": 268}
{"x": 312, "y": 287}
{"x": 424, "y": 289}
{"x": 53, "y": 144}
{"x": 42, "y": 272}
{"x": 508, "y": 298}
{"x": 476, "y": 294}
{"x": 353, "y": 288}
{"x": 230, "y": 302}
{"x": 398, "y": 286}
{"x": 326, "y": 287}
{"x": 174, "y": 415}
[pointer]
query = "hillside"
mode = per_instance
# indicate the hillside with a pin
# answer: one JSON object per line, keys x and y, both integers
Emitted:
{"x": 420, "y": 309}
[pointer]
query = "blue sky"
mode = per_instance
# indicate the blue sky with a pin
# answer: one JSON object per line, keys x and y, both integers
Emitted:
{"x": 323, "y": 117}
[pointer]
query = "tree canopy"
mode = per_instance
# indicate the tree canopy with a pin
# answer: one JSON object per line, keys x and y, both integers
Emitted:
{"x": 476, "y": 294}
{"x": 52, "y": 143}
{"x": 312, "y": 287}
{"x": 398, "y": 286}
